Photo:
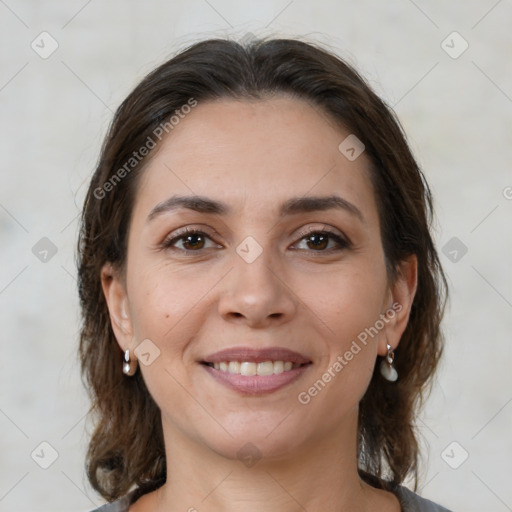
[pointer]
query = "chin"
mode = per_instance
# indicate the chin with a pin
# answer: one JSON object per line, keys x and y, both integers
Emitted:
{"x": 251, "y": 442}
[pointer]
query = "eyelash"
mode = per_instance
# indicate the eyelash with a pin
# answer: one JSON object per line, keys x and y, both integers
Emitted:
{"x": 343, "y": 243}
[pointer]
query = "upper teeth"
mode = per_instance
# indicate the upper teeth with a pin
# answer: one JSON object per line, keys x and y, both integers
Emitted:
{"x": 249, "y": 368}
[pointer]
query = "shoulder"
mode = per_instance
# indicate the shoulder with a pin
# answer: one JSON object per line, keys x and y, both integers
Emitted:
{"x": 120, "y": 505}
{"x": 411, "y": 502}
{"x": 123, "y": 504}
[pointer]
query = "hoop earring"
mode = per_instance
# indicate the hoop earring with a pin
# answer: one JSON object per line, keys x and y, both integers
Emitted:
{"x": 387, "y": 369}
{"x": 129, "y": 365}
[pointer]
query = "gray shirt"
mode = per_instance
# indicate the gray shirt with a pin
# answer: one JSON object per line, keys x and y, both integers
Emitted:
{"x": 409, "y": 501}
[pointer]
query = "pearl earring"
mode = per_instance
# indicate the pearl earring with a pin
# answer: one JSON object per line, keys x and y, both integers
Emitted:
{"x": 387, "y": 369}
{"x": 129, "y": 365}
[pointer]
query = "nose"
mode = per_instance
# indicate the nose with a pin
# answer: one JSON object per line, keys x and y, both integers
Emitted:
{"x": 256, "y": 294}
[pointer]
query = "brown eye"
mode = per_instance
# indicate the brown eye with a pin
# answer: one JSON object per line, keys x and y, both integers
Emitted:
{"x": 194, "y": 241}
{"x": 188, "y": 241}
{"x": 323, "y": 241}
{"x": 318, "y": 241}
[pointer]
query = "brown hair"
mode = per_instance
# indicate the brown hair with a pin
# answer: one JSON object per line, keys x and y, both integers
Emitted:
{"x": 127, "y": 447}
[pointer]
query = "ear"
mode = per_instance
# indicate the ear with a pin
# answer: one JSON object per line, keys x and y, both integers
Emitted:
{"x": 114, "y": 289}
{"x": 398, "y": 307}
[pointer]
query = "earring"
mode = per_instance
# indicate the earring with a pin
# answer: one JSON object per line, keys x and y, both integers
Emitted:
{"x": 129, "y": 365}
{"x": 387, "y": 369}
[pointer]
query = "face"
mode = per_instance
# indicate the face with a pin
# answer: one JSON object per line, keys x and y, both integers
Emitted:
{"x": 279, "y": 264}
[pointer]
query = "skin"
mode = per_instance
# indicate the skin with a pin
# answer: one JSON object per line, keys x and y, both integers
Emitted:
{"x": 253, "y": 156}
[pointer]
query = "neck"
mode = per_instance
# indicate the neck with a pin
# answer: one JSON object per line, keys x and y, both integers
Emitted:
{"x": 320, "y": 475}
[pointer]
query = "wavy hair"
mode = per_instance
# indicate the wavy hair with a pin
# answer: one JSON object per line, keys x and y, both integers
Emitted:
{"x": 127, "y": 448}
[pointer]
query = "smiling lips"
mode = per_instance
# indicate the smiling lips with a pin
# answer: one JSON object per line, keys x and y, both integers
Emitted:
{"x": 248, "y": 368}
{"x": 251, "y": 371}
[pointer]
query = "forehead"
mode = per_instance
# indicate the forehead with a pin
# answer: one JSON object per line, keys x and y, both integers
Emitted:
{"x": 255, "y": 154}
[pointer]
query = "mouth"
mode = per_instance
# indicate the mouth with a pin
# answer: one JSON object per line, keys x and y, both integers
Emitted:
{"x": 253, "y": 372}
{"x": 249, "y": 368}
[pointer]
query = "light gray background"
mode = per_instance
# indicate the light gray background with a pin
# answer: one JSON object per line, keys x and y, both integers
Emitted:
{"x": 54, "y": 113}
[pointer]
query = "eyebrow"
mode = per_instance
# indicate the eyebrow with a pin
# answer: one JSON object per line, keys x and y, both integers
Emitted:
{"x": 292, "y": 206}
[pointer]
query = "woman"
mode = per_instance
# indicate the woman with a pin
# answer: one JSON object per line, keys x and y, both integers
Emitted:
{"x": 261, "y": 295}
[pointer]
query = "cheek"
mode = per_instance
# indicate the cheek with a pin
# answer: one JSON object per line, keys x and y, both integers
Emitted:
{"x": 349, "y": 351}
{"x": 349, "y": 306}
{"x": 346, "y": 302}
{"x": 161, "y": 298}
